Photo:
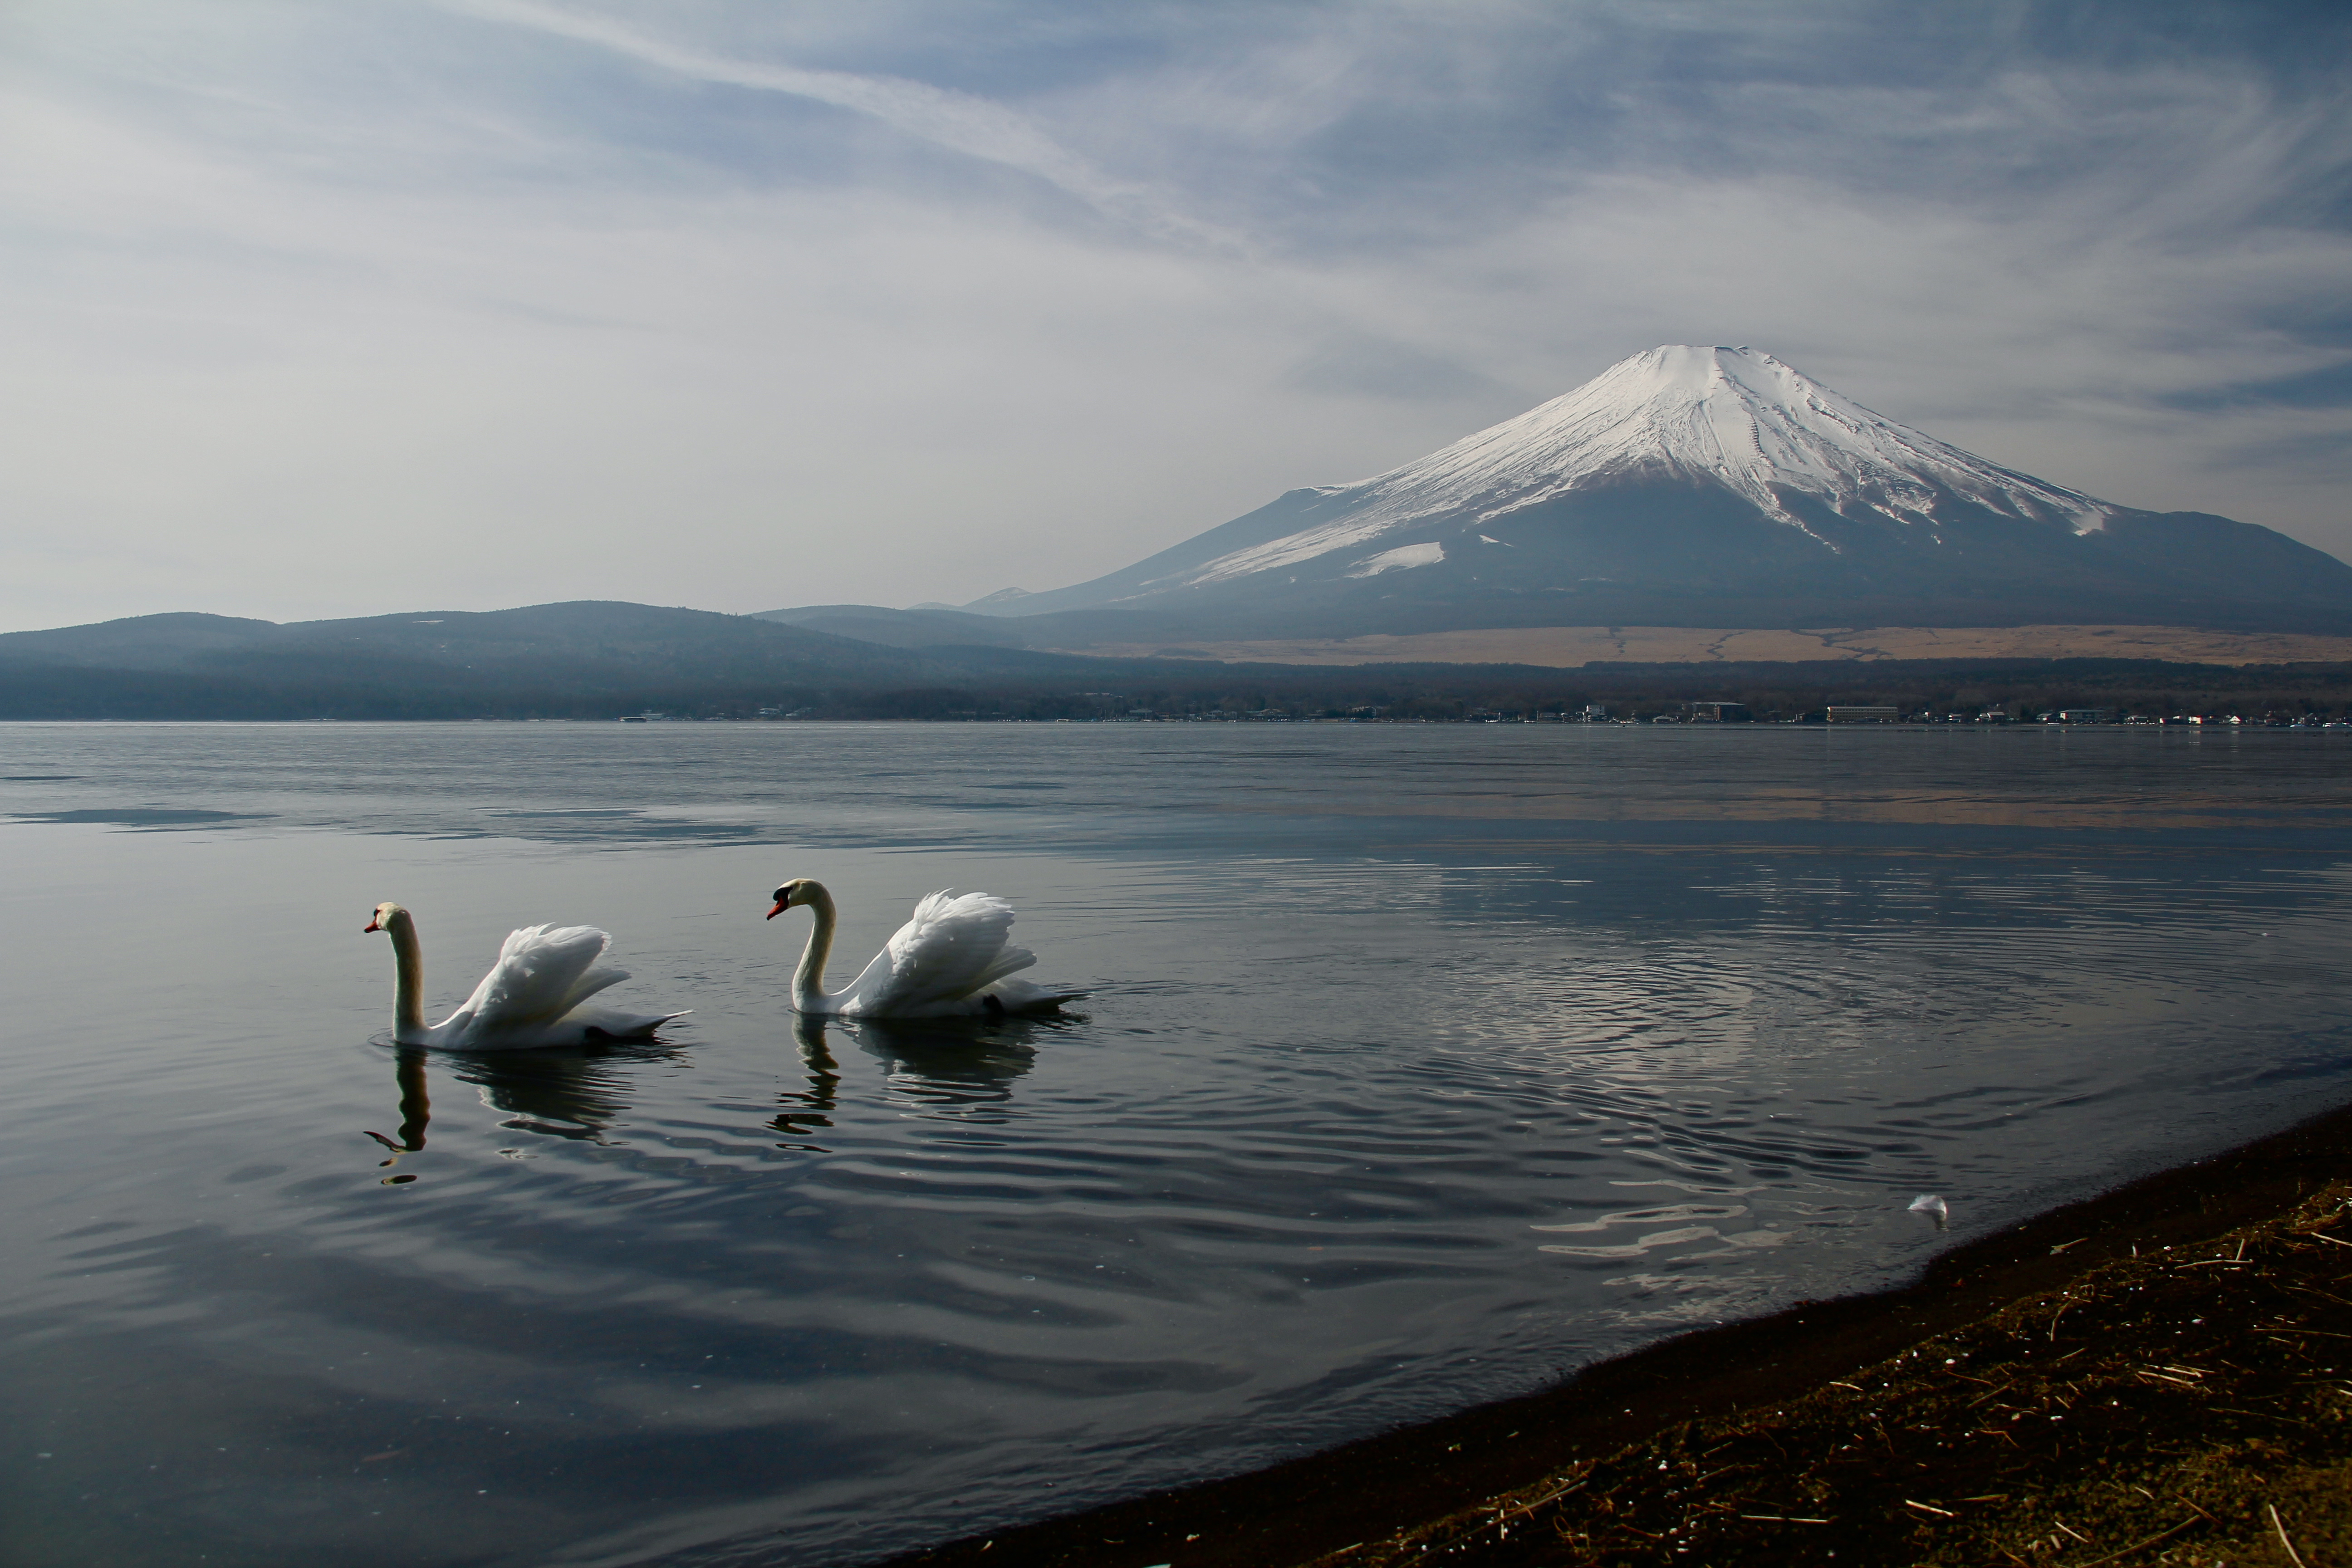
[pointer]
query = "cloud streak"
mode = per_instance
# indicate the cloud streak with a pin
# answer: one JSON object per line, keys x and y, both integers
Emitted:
{"x": 959, "y": 121}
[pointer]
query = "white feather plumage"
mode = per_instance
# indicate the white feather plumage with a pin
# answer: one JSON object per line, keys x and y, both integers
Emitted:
{"x": 954, "y": 956}
{"x": 537, "y": 994}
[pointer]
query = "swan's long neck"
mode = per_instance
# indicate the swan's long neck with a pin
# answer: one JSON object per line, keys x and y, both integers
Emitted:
{"x": 808, "y": 981}
{"x": 408, "y": 992}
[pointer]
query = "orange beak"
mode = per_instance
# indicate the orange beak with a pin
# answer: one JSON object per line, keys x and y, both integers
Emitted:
{"x": 780, "y": 909}
{"x": 370, "y": 926}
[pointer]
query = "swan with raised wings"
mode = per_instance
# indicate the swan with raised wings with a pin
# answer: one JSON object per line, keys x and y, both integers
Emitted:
{"x": 953, "y": 958}
{"x": 535, "y": 994}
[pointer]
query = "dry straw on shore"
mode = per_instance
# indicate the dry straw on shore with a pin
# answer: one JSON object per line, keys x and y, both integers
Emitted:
{"x": 2161, "y": 1373}
{"x": 2187, "y": 1406}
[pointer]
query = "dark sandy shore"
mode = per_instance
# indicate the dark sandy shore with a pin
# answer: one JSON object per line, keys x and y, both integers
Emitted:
{"x": 2160, "y": 1375}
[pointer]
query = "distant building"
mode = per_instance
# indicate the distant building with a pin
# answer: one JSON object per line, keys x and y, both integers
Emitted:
{"x": 1720, "y": 713}
{"x": 2086, "y": 715}
{"x": 1857, "y": 713}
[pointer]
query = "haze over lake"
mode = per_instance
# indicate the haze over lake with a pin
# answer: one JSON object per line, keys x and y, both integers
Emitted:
{"x": 1424, "y": 1064}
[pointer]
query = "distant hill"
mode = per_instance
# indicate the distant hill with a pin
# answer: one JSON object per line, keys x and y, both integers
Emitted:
{"x": 576, "y": 641}
{"x": 924, "y": 627}
{"x": 578, "y": 661}
{"x": 607, "y": 660}
{"x": 555, "y": 660}
{"x": 1694, "y": 487}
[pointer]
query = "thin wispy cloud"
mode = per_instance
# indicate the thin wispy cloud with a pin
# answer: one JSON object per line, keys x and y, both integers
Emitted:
{"x": 958, "y": 122}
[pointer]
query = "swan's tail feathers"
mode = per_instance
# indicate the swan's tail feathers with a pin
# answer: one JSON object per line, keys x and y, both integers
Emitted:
{"x": 617, "y": 1026}
{"x": 1021, "y": 996}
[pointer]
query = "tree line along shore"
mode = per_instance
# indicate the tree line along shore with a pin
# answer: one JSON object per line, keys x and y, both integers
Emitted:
{"x": 1178, "y": 690}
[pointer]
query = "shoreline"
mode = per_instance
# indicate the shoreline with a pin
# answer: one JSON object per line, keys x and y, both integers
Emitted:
{"x": 1420, "y": 1488}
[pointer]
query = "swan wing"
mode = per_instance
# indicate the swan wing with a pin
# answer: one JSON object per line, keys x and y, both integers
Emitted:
{"x": 593, "y": 981}
{"x": 543, "y": 972}
{"x": 954, "y": 946}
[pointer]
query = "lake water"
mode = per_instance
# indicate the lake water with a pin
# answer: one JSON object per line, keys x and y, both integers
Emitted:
{"x": 1422, "y": 1065}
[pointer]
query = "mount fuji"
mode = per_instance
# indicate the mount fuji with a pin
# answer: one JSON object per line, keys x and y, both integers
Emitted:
{"x": 1701, "y": 486}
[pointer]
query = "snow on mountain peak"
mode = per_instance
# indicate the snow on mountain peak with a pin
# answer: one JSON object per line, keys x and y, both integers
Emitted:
{"x": 1732, "y": 417}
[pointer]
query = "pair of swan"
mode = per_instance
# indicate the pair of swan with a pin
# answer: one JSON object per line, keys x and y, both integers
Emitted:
{"x": 951, "y": 959}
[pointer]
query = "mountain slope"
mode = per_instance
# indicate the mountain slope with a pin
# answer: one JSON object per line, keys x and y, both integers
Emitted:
{"x": 898, "y": 628}
{"x": 565, "y": 645}
{"x": 586, "y": 659}
{"x": 1704, "y": 485}
{"x": 568, "y": 659}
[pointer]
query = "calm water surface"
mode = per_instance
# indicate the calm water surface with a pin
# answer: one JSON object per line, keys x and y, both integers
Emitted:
{"x": 1422, "y": 1065}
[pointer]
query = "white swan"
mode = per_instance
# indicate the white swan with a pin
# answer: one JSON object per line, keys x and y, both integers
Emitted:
{"x": 950, "y": 959}
{"x": 535, "y": 994}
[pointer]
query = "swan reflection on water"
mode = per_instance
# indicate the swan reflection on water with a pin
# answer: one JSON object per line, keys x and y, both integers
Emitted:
{"x": 803, "y": 1111}
{"x": 942, "y": 1062}
{"x": 937, "y": 1061}
{"x": 573, "y": 1092}
{"x": 555, "y": 1093}
{"x": 580, "y": 1093}
{"x": 415, "y": 1113}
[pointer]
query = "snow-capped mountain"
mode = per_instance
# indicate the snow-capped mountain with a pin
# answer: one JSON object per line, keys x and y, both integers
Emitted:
{"x": 1696, "y": 482}
{"x": 1733, "y": 417}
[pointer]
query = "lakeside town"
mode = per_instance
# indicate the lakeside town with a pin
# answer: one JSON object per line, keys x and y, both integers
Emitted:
{"x": 1601, "y": 713}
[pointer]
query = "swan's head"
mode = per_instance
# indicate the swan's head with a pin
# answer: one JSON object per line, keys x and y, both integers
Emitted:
{"x": 791, "y": 894}
{"x": 385, "y": 915}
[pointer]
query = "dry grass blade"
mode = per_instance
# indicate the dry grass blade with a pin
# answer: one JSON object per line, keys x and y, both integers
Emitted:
{"x": 1528, "y": 1508}
{"x": 2292, "y": 1555}
{"x": 2136, "y": 1545}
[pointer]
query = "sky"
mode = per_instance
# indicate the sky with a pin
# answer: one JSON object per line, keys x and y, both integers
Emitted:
{"x": 327, "y": 310}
